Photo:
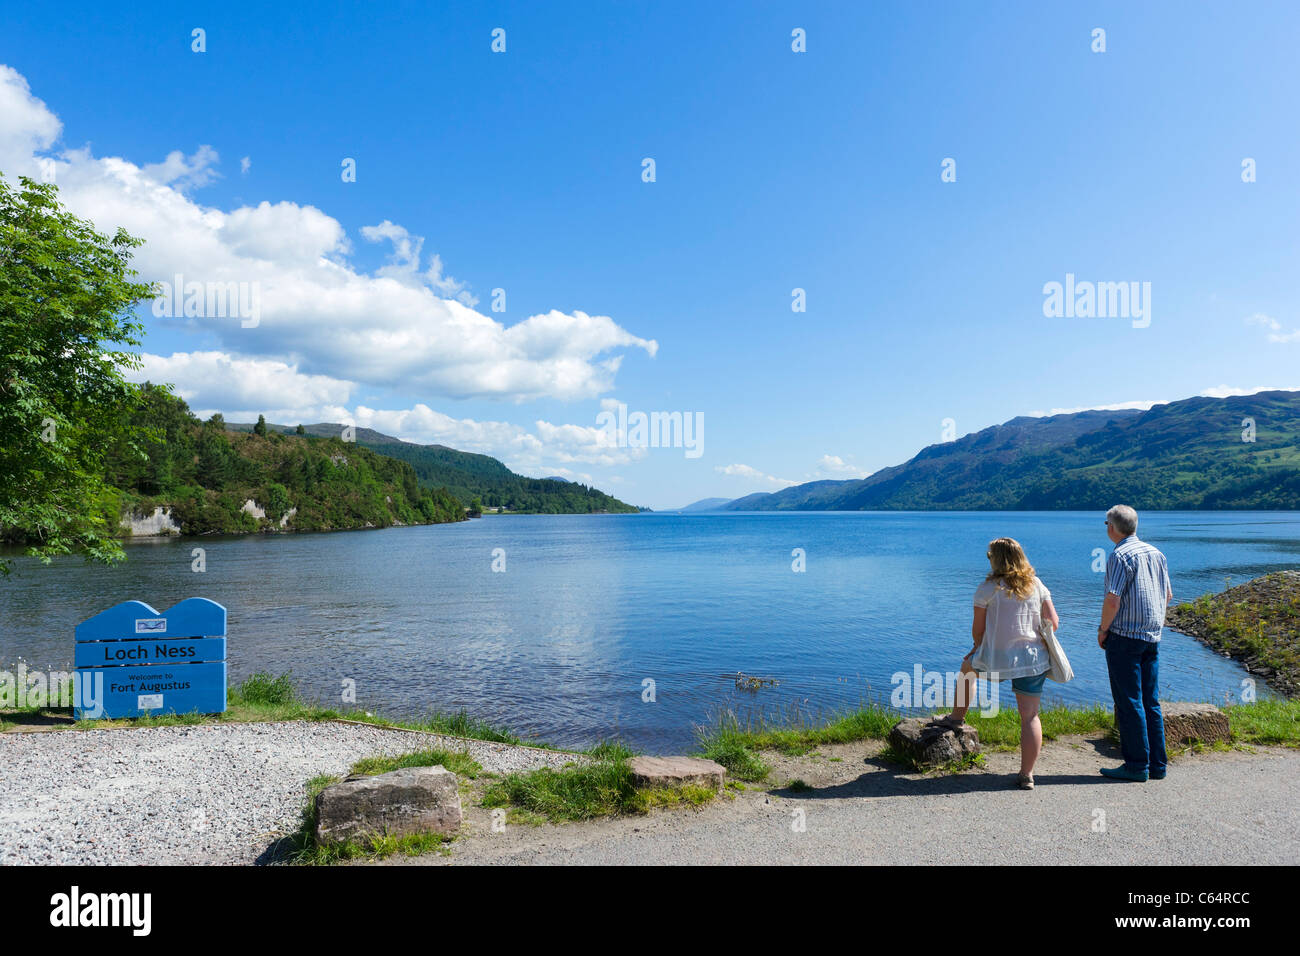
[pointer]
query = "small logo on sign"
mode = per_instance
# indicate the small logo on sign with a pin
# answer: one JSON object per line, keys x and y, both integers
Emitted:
{"x": 149, "y": 701}
{"x": 150, "y": 625}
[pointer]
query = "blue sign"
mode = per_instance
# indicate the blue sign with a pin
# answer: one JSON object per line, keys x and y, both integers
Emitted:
{"x": 132, "y": 660}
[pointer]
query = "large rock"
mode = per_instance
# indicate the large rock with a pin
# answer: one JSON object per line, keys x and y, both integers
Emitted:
{"x": 1186, "y": 722}
{"x": 676, "y": 772}
{"x": 399, "y": 803}
{"x": 928, "y": 743}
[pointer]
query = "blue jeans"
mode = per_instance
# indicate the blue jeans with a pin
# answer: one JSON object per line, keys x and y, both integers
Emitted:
{"x": 1135, "y": 685}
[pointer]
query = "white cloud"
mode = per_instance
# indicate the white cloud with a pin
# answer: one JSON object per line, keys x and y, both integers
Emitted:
{"x": 318, "y": 312}
{"x": 1117, "y": 406}
{"x": 1276, "y": 331}
{"x": 1216, "y": 391}
{"x": 833, "y": 466}
{"x": 548, "y": 448}
{"x": 745, "y": 471}
{"x": 1227, "y": 391}
{"x": 245, "y": 165}
{"x": 243, "y": 387}
{"x": 26, "y": 125}
{"x": 579, "y": 476}
{"x": 185, "y": 172}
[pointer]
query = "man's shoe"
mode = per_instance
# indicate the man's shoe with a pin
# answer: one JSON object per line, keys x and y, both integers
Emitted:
{"x": 1156, "y": 775}
{"x": 1123, "y": 773}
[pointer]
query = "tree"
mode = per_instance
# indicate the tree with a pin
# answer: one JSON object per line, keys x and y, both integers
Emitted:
{"x": 66, "y": 323}
{"x": 300, "y": 430}
{"x": 260, "y": 427}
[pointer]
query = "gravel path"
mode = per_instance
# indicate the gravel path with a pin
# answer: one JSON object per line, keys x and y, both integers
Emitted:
{"x": 1213, "y": 808}
{"x": 210, "y": 793}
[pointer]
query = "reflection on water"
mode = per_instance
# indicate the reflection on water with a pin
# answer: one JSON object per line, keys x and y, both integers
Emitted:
{"x": 590, "y": 607}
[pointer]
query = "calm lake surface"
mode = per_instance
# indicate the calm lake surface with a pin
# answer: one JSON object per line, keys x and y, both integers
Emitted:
{"x": 558, "y": 645}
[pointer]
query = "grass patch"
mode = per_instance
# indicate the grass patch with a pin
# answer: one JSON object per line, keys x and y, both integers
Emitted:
{"x": 585, "y": 791}
{"x": 263, "y": 690}
{"x": 738, "y": 744}
{"x": 1272, "y": 721}
{"x": 262, "y": 697}
{"x": 689, "y": 795}
{"x": 576, "y": 792}
{"x": 1002, "y": 732}
{"x": 461, "y": 764}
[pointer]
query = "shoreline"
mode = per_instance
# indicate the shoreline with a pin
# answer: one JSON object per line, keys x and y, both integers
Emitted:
{"x": 283, "y": 750}
{"x": 1256, "y": 624}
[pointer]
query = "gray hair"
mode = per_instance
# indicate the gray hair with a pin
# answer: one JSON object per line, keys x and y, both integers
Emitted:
{"x": 1124, "y": 518}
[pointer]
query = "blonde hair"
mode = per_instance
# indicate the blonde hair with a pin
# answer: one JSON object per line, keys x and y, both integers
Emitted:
{"x": 1010, "y": 567}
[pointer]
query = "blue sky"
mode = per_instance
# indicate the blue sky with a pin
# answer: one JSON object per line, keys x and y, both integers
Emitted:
{"x": 774, "y": 170}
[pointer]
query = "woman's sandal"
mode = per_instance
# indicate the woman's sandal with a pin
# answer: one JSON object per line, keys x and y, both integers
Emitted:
{"x": 1025, "y": 783}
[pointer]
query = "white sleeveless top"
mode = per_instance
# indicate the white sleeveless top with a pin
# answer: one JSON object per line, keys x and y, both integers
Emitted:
{"x": 1012, "y": 646}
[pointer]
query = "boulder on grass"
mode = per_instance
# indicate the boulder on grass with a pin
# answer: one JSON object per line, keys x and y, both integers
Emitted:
{"x": 929, "y": 744}
{"x": 1188, "y": 722}
{"x": 676, "y": 772}
{"x": 400, "y": 803}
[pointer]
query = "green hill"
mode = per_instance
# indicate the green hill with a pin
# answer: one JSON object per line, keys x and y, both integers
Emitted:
{"x": 468, "y": 476}
{"x": 205, "y": 473}
{"x": 1187, "y": 454}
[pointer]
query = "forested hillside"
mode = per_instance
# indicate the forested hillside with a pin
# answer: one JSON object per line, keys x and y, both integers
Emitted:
{"x": 205, "y": 474}
{"x": 1198, "y": 453}
{"x": 470, "y": 476}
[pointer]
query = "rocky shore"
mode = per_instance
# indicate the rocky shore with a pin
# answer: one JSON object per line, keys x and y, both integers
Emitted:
{"x": 1256, "y": 624}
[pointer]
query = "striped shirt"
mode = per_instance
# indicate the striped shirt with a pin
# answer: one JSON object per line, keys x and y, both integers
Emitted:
{"x": 1138, "y": 575}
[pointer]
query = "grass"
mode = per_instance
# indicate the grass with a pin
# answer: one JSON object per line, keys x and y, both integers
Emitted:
{"x": 580, "y": 791}
{"x": 303, "y": 848}
{"x": 738, "y": 744}
{"x": 461, "y": 764}
{"x": 263, "y": 697}
{"x": 1272, "y": 721}
{"x": 585, "y": 791}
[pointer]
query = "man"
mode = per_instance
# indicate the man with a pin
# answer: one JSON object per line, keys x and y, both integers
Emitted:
{"x": 1132, "y": 617}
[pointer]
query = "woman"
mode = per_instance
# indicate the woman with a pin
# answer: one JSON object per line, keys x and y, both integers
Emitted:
{"x": 1009, "y": 607}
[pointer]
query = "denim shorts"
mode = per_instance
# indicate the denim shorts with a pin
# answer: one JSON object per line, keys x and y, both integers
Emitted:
{"x": 1029, "y": 685}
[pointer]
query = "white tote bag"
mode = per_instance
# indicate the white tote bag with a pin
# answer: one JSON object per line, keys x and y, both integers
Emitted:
{"x": 1061, "y": 670}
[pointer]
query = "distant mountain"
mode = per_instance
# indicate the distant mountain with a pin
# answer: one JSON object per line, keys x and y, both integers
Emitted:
{"x": 1188, "y": 454}
{"x": 467, "y": 475}
{"x": 558, "y": 478}
{"x": 704, "y": 504}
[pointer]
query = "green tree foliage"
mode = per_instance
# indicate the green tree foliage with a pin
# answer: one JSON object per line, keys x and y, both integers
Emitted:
{"x": 205, "y": 474}
{"x": 260, "y": 427}
{"x": 66, "y": 327}
{"x": 469, "y": 476}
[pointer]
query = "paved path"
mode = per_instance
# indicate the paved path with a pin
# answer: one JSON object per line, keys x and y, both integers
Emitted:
{"x": 1223, "y": 808}
{"x": 224, "y": 793}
